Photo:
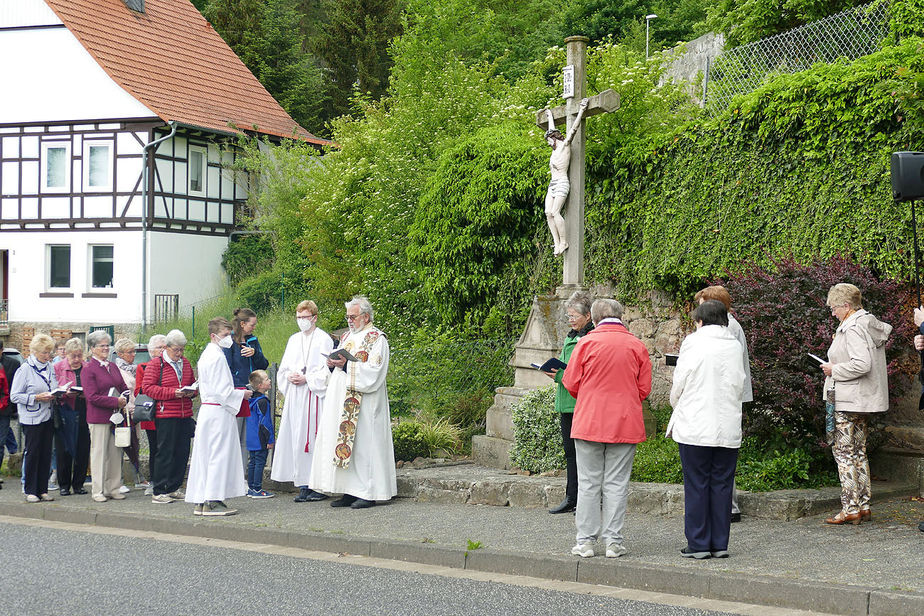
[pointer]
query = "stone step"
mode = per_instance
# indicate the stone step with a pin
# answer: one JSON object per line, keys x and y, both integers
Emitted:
{"x": 491, "y": 451}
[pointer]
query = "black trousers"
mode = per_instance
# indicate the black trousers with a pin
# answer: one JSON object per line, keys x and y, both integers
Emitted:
{"x": 173, "y": 437}
{"x": 571, "y": 487}
{"x": 708, "y": 477}
{"x": 37, "y": 456}
{"x": 72, "y": 470}
{"x": 152, "y": 453}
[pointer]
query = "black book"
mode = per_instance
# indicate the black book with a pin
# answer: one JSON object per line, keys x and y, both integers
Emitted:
{"x": 550, "y": 365}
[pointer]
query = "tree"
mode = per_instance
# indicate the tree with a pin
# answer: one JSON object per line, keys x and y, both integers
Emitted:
{"x": 354, "y": 48}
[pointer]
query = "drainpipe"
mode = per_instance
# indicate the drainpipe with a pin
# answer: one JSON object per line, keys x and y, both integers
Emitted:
{"x": 144, "y": 223}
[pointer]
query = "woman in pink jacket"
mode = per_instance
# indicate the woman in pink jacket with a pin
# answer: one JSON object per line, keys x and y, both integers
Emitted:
{"x": 610, "y": 374}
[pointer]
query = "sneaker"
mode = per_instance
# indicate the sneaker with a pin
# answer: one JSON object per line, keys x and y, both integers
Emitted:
{"x": 46, "y": 497}
{"x": 161, "y": 499}
{"x": 178, "y": 495}
{"x": 144, "y": 485}
{"x": 217, "y": 508}
{"x": 584, "y": 550}
{"x": 99, "y": 498}
{"x": 124, "y": 490}
{"x": 197, "y": 510}
{"x": 32, "y": 498}
{"x": 688, "y": 553}
{"x": 53, "y": 481}
{"x": 117, "y": 496}
{"x": 615, "y": 550}
{"x": 149, "y": 491}
{"x": 720, "y": 554}
{"x": 259, "y": 494}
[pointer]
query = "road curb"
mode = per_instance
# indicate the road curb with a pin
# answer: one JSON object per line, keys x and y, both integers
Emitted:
{"x": 725, "y": 586}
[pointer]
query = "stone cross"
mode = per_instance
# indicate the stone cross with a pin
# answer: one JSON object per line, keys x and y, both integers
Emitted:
{"x": 605, "y": 102}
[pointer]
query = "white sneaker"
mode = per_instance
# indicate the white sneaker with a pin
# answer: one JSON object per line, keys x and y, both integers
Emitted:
{"x": 161, "y": 499}
{"x": 149, "y": 491}
{"x": 144, "y": 485}
{"x": 124, "y": 490}
{"x": 584, "y": 550}
{"x": 178, "y": 495}
{"x": 615, "y": 550}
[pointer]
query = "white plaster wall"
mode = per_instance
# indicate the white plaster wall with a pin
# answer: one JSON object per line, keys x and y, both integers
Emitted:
{"x": 186, "y": 264}
{"x": 27, "y": 263}
{"x": 54, "y": 78}
{"x": 19, "y": 13}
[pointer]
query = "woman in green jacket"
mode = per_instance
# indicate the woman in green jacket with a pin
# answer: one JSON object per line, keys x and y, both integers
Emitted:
{"x": 578, "y": 310}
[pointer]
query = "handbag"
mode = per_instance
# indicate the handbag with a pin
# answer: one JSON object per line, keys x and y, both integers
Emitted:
{"x": 123, "y": 434}
{"x": 146, "y": 406}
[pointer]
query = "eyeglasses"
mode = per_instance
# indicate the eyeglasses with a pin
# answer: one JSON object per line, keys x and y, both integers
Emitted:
{"x": 351, "y": 317}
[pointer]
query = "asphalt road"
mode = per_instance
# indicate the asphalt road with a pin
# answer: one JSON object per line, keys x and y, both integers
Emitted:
{"x": 55, "y": 571}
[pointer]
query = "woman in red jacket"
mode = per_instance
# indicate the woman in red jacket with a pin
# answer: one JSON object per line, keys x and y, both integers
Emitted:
{"x": 163, "y": 379}
{"x": 610, "y": 374}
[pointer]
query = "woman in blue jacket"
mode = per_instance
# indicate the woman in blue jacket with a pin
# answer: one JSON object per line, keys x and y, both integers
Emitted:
{"x": 244, "y": 356}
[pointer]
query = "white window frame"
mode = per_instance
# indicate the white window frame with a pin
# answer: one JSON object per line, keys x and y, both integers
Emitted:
{"x": 97, "y": 143}
{"x": 49, "y": 145}
{"x": 70, "y": 268}
{"x": 205, "y": 170}
{"x": 90, "y": 286}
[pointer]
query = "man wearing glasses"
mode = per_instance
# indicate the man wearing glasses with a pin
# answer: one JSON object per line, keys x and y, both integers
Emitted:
{"x": 354, "y": 454}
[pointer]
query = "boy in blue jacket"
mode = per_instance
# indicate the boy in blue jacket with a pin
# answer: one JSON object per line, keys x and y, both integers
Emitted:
{"x": 260, "y": 436}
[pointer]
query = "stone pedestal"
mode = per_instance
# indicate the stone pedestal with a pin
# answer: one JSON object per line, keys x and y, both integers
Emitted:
{"x": 542, "y": 338}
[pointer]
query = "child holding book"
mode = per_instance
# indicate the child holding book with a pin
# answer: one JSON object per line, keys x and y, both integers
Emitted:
{"x": 260, "y": 436}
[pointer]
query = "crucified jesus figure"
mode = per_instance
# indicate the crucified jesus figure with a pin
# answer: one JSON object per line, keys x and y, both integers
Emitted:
{"x": 559, "y": 186}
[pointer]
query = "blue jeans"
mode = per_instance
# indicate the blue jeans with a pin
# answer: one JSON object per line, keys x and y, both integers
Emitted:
{"x": 255, "y": 467}
{"x": 4, "y": 432}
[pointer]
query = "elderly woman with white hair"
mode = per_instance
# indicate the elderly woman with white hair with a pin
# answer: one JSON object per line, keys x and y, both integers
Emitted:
{"x": 164, "y": 380}
{"x": 609, "y": 374}
{"x": 31, "y": 392}
{"x": 102, "y": 377}
{"x": 124, "y": 349}
{"x": 856, "y": 386}
{"x": 156, "y": 345}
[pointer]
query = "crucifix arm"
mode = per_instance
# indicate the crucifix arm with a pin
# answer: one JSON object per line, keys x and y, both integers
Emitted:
{"x": 548, "y": 113}
{"x": 577, "y": 121}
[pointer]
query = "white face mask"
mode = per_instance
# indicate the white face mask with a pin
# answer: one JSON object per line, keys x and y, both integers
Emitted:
{"x": 226, "y": 342}
{"x": 306, "y": 324}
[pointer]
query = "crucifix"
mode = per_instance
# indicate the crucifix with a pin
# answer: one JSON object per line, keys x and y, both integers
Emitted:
{"x": 571, "y": 114}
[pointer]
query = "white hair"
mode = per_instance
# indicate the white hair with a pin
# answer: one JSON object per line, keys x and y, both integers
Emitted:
{"x": 364, "y": 306}
{"x": 98, "y": 337}
{"x": 157, "y": 339}
{"x": 175, "y": 338}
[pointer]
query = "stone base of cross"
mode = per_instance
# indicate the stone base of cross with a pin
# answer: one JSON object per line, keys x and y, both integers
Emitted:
{"x": 605, "y": 102}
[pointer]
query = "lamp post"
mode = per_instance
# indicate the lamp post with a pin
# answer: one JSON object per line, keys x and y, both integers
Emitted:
{"x": 648, "y": 19}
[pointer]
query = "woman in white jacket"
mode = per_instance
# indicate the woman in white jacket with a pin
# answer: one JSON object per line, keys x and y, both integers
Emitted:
{"x": 706, "y": 423}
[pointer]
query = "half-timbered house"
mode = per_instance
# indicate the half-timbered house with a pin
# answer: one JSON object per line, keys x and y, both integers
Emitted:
{"x": 119, "y": 121}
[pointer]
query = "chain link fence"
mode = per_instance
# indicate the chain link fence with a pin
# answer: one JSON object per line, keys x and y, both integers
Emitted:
{"x": 850, "y": 34}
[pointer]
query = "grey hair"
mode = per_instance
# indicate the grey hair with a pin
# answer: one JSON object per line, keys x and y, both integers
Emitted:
{"x": 74, "y": 344}
{"x": 604, "y": 308}
{"x": 98, "y": 337}
{"x": 364, "y": 306}
{"x": 175, "y": 338}
{"x": 123, "y": 344}
{"x": 157, "y": 339}
{"x": 580, "y": 302}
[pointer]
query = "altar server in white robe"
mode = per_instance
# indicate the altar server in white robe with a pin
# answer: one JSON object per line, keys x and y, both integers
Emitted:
{"x": 302, "y": 380}
{"x": 354, "y": 455}
{"x": 215, "y": 466}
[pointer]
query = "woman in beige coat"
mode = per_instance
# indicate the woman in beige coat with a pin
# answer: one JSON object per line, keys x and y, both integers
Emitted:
{"x": 857, "y": 384}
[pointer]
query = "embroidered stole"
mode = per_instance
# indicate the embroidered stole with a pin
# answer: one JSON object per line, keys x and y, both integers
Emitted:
{"x": 349, "y": 416}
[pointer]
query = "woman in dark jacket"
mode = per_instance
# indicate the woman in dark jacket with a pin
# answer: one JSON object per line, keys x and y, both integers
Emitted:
{"x": 578, "y": 310}
{"x": 244, "y": 356}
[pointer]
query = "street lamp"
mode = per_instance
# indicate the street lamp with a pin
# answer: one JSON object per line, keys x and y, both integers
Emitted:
{"x": 648, "y": 19}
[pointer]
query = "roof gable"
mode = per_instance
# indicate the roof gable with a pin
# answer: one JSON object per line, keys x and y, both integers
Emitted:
{"x": 173, "y": 61}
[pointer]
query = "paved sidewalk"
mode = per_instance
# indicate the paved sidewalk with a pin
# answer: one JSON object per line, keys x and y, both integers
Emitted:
{"x": 875, "y": 568}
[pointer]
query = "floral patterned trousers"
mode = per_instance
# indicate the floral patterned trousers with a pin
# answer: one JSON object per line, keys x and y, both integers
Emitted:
{"x": 849, "y": 450}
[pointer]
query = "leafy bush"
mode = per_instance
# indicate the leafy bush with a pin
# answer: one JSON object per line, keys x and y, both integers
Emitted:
{"x": 408, "y": 441}
{"x": 421, "y": 438}
{"x": 249, "y": 255}
{"x": 262, "y": 292}
{"x": 760, "y": 469}
{"x": 783, "y": 313}
{"x": 537, "y": 432}
{"x": 657, "y": 460}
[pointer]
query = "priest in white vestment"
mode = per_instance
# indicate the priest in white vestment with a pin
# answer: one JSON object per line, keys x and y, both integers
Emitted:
{"x": 215, "y": 465}
{"x": 355, "y": 456}
{"x": 302, "y": 380}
